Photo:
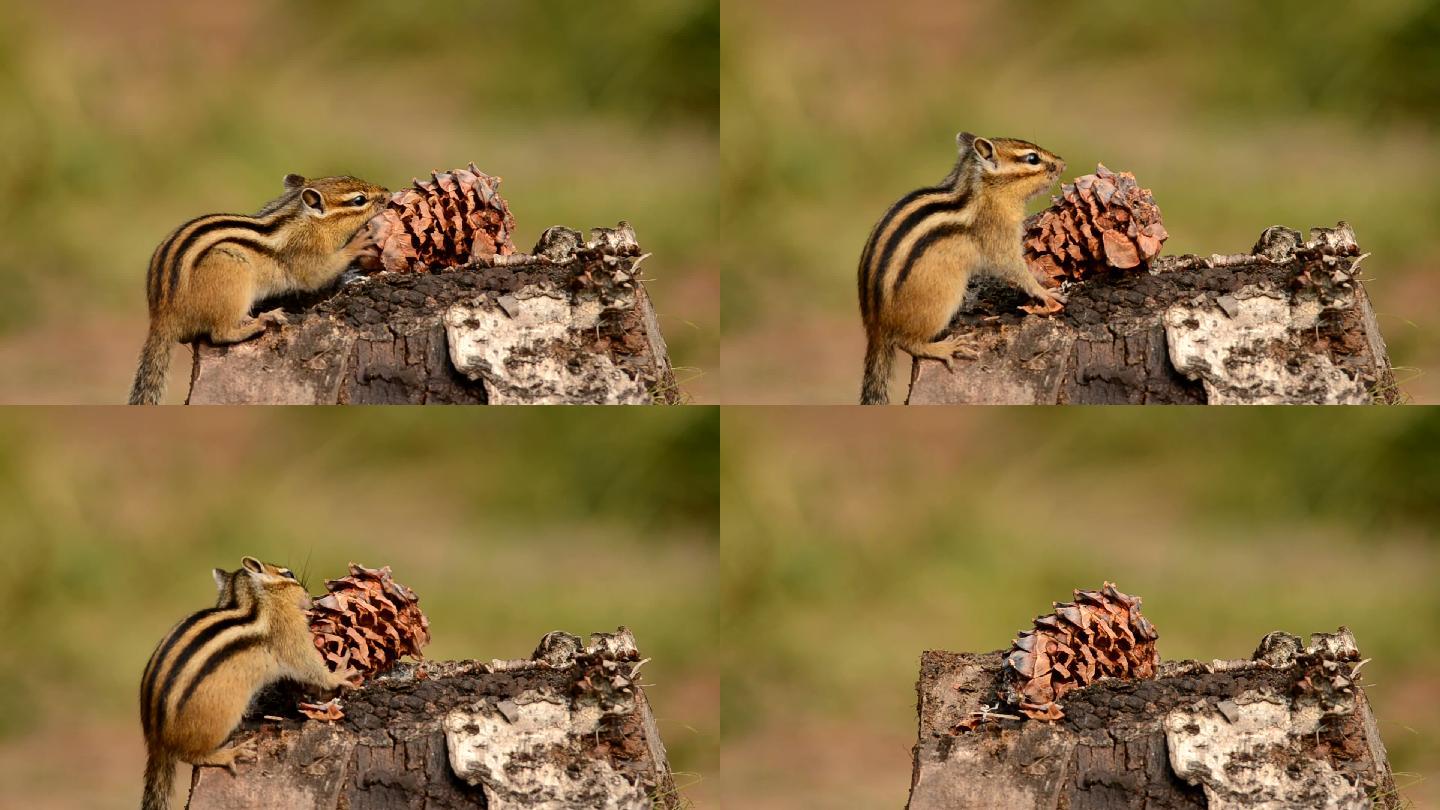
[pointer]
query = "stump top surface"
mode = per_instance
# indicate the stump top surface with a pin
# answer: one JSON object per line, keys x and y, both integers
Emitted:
{"x": 1121, "y": 335}
{"x": 1120, "y": 743}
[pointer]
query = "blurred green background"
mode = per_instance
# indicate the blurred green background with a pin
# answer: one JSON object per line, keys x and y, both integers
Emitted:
{"x": 842, "y": 561}
{"x": 122, "y": 120}
{"x": 507, "y": 526}
{"x": 1238, "y": 115}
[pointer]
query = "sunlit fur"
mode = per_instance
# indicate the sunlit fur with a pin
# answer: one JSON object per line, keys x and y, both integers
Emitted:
{"x": 208, "y": 273}
{"x": 205, "y": 672}
{"x": 923, "y": 251}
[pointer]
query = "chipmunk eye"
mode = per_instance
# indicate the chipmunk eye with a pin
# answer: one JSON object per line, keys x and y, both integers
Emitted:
{"x": 358, "y": 199}
{"x": 1033, "y": 159}
{"x": 288, "y": 574}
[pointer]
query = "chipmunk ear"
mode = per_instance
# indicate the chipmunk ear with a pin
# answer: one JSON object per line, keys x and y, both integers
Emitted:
{"x": 221, "y": 577}
{"x": 253, "y": 564}
{"x": 964, "y": 139}
{"x": 312, "y": 199}
{"x": 294, "y": 181}
{"x": 985, "y": 150}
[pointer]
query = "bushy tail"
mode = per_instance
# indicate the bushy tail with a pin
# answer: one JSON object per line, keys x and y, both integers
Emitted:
{"x": 879, "y": 354}
{"x": 159, "y": 779}
{"x": 149, "y": 384}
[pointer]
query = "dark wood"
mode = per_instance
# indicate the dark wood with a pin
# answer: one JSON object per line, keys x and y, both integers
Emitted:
{"x": 1118, "y": 338}
{"x": 570, "y": 323}
{"x": 573, "y": 730}
{"x": 1122, "y": 743}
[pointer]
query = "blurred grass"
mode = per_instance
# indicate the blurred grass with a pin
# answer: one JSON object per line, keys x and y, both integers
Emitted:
{"x": 1238, "y": 116}
{"x": 508, "y": 526}
{"x": 120, "y": 122}
{"x": 842, "y": 561}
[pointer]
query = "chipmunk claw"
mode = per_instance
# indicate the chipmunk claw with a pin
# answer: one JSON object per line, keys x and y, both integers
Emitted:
{"x": 245, "y": 754}
{"x": 350, "y": 677}
{"x": 1050, "y": 305}
{"x": 275, "y": 317}
{"x": 225, "y": 758}
{"x": 948, "y": 349}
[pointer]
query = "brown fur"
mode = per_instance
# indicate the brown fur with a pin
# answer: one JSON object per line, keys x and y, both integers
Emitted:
{"x": 975, "y": 228}
{"x": 192, "y": 698}
{"x": 207, "y": 275}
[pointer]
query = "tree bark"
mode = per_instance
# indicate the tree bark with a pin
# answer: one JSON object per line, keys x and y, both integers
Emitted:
{"x": 570, "y": 323}
{"x": 1290, "y": 728}
{"x": 568, "y": 728}
{"x": 1287, "y": 323}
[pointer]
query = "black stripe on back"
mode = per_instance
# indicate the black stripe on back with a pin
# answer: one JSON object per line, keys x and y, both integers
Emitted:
{"x": 218, "y": 222}
{"x": 222, "y": 655}
{"x": 864, "y": 268}
{"x": 152, "y": 277}
{"x": 147, "y": 683}
{"x": 258, "y": 247}
{"x": 164, "y": 253}
{"x": 197, "y": 643}
{"x": 924, "y": 243}
{"x": 910, "y": 222}
{"x": 865, "y": 299}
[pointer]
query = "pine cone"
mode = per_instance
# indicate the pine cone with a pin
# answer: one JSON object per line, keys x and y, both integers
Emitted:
{"x": 369, "y": 621}
{"x": 1099, "y": 635}
{"x": 453, "y": 219}
{"x": 1102, "y": 219}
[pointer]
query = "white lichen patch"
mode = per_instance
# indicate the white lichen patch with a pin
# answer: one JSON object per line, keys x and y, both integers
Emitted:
{"x": 1249, "y": 755}
{"x": 1245, "y": 350}
{"x": 528, "y": 754}
{"x": 511, "y": 349}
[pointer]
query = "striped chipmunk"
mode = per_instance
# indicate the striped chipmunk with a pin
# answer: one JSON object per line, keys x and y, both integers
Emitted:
{"x": 207, "y": 274}
{"x": 923, "y": 251}
{"x": 206, "y": 671}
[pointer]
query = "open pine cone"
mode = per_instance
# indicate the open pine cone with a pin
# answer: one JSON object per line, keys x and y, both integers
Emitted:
{"x": 1100, "y": 634}
{"x": 452, "y": 219}
{"x": 369, "y": 621}
{"x": 1100, "y": 220}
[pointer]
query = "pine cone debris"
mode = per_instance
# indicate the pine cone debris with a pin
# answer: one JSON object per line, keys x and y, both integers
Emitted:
{"x": 1100, "y": 220}
{"x": 328, "y": 711}
{"x": 368, "y": 621}
{"x": 1099, "y": 635}
{"x": 452, "y": 219}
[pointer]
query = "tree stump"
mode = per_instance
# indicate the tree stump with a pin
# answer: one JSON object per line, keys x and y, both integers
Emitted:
{"x": 568, "y": 728}
{"x": 569, "y": 323}
{"x": 1289, "y": 728}
{"x": 1287, "y": 323}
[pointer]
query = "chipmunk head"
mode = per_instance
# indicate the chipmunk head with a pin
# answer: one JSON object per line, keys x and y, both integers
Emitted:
{"x": 340, "y": 198}
{"x": 1018, "y": 168}
{"x": 256, "y": 578}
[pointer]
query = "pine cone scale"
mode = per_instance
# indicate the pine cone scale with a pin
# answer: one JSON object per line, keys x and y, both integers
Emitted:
{"x": 368, "y": 621}
{"x": 452, "y": 219}
{"x": 1100, "y": 634}
{"x": 1100, "y": 220}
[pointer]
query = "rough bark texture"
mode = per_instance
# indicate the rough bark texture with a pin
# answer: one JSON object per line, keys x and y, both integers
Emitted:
{"x": 1274, "y": 732}
{"x": 568, "y": 728}
{"x": 570, "y": 323}
{"x": 1287, "y": 323}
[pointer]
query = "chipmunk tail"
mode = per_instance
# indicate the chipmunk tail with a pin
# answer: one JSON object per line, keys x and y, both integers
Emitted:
{"x": 159, "y": 780}
{"x": 879, "y": 355}
{"x": 149, "y": 384}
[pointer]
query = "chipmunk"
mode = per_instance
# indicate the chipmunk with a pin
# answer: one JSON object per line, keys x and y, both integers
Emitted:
{"x": 203, "y": 675}
{"x": 209, "y": 272}
{"x": 923, "y": 251}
